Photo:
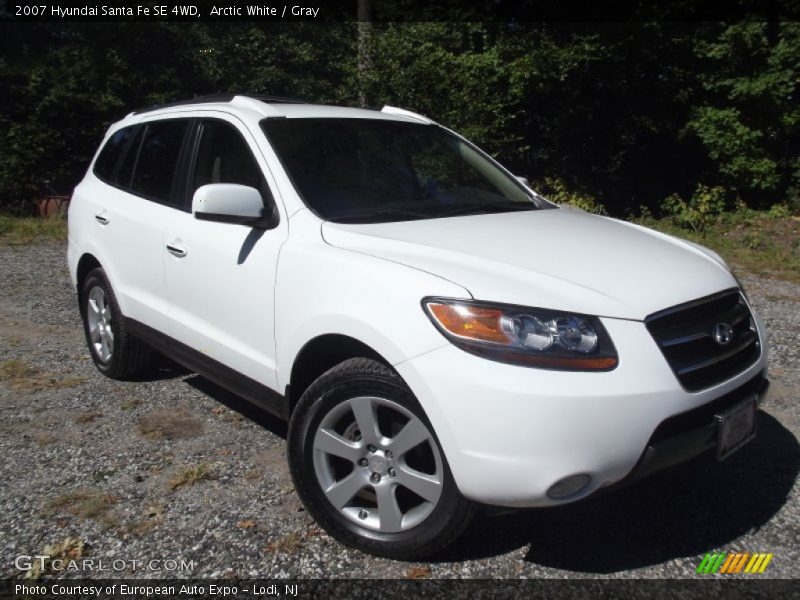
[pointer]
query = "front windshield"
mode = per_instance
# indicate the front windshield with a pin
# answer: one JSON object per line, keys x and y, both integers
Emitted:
{"x": 370, "y": 170}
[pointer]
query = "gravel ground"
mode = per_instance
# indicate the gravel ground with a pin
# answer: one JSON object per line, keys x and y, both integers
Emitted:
{"x": 174, "y": 467}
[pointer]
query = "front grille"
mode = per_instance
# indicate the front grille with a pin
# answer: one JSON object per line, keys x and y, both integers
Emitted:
{"x": 684, "y": 333}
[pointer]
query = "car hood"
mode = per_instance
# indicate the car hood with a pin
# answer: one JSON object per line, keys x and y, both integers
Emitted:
{"x": 563, "y": 259}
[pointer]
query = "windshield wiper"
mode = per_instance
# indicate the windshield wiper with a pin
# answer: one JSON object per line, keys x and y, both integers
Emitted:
{"x": 487, "y": 206}
{"x": 402, "y": 214}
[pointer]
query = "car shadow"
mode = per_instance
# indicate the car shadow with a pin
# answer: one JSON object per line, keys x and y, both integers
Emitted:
{"x": 683, "y": 511}
{"x": 248, "y": 410}
{"x": 160, "y": 368}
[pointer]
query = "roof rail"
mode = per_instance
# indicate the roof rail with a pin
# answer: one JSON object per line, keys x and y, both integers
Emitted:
{"x": 402, "y": 112}
{"x": 219, "y": 98}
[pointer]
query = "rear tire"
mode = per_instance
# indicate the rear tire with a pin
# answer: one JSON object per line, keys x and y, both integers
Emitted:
{"x": 115, "y": 353}
{"x": 368, "y": 466}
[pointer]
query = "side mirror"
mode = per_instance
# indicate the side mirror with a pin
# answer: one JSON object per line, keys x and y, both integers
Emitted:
{"x": 523, "y": 180}
{"x": 233, "y": 203}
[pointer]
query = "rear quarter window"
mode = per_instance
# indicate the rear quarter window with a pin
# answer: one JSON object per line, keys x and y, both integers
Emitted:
{"x": 106, "y": 163}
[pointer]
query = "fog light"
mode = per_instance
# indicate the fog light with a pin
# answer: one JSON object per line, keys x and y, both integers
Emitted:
{"x": 569, "y": 486}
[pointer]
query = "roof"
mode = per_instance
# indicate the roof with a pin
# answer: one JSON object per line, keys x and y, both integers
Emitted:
{"x": 277, "y": 107}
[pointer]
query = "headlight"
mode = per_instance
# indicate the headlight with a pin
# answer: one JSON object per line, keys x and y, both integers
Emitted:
{"x": 531, "y": 337}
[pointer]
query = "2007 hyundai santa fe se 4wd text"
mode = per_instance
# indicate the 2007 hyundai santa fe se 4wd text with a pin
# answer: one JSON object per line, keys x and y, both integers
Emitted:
{"x": 438, "y": 335}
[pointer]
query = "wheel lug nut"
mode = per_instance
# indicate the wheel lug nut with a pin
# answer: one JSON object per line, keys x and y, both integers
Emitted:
{"x": 362, "y": 514}
{"x": 371, "y": 448}
{"x": 392, "y": 472}
{"x": 375, "y": 477}
{"x": 363, "y": 462}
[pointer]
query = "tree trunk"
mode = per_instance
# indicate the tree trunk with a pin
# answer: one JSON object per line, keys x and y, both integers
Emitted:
{"x": 364, "y": 45}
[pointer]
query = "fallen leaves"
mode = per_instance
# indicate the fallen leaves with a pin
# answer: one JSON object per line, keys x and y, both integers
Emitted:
{"x": 69, "y": 548}
{"x": 287, "y": 544}
{"x": 246, "y": 524}
{"x": 418, "y": 573}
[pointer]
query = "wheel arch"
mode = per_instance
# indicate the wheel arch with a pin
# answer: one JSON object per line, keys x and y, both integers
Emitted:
{"x": 86, "y": 264}
{"x": 321, "y": 354}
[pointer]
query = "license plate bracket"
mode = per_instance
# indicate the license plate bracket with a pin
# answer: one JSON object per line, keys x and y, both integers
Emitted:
{"x": 736, "y": 427}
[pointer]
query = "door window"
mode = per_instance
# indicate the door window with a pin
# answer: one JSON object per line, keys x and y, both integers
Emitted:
{"x": 154, "y": 170}
{"x": 224, "y": 157}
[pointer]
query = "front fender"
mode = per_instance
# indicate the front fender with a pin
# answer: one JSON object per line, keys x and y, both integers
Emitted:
{"x": 323, "y": 290}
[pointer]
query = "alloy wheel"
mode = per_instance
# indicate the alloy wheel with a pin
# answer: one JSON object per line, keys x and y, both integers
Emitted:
{"x": 378, "y": 464}
{"x": 98, "y": 315}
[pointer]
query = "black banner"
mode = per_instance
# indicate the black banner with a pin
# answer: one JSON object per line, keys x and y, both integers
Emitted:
{"x": 711, "y": 588}
{"x": 397, "y": 10}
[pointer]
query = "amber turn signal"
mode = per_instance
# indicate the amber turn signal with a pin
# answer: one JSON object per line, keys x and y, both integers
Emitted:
{"x": 472, "y": 322}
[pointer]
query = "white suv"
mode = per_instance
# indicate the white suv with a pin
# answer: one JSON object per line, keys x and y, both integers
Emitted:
{"x": 437, "y": 334}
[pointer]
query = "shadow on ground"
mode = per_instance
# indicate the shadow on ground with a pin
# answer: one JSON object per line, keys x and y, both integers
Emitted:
{"x": 240, "y": 405}
{"x": 160, "y": 368}
{"x": 684, "y": 511}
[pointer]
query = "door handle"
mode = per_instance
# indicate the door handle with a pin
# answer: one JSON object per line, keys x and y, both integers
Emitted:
{"x": 102, "y": 219}
{"x": 176, "y": 250}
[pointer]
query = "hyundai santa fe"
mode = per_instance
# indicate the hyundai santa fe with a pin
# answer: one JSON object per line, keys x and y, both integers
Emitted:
{"x": 438, "y": 335}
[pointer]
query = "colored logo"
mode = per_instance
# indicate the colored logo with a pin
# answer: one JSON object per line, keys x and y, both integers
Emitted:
{"x": 736, "y": 562}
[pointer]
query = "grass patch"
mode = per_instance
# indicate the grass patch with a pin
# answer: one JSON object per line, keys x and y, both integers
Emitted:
{"x": 15, "y": 368}
{"x": 749, "y": 241}
{"x": 165, "y": 424}
{"x": 22, "y": 231}
{"x": 130, "y": 404}
{"x": 23, "y": 377}
{"x": 190, "y": 476}
{"x": 86, "y": 504}
{"x": 44, "y": 438}
{"x": 87, "y": 417}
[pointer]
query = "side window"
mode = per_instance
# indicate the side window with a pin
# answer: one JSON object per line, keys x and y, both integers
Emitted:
{"x": 129, "y": 160}
{"x": 154, "y": 170}
{"x": 111, "y": 153}
{"x": 223, "y": 156}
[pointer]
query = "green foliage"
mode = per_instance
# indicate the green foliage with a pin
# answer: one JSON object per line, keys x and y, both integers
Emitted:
{"x": 556, "y": 190}
{"x": 699, "y": 211}
{"x": 633, "y": 112}
{"x": 16, "y": 231}
{"x": 779, "y": 211}
{"x": 748, "y": 117}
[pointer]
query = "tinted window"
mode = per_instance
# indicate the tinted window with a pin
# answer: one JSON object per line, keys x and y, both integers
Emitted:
{"x": 224, "y": 157}
{"x": 125, "y": 171}
{"x": 365, "y": 170}
{"x": 154, "y": 171}
{"x": 110, "y": 154}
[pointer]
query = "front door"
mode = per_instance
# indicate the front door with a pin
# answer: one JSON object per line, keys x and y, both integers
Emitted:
{"x": 220, "y": 277}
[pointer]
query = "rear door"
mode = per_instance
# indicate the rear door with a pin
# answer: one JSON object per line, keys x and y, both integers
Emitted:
{"x": 220, "y": 276}
{"x": 130, "y": 219}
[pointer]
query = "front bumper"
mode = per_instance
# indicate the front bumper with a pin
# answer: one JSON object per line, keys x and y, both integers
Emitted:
{"x": 510, "y": 433}
{"x": 684, "y": 436}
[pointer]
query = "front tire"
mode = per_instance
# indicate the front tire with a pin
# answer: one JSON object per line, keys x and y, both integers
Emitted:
{"x": 368, "y": 466}
{"x": 114, "y": 351}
